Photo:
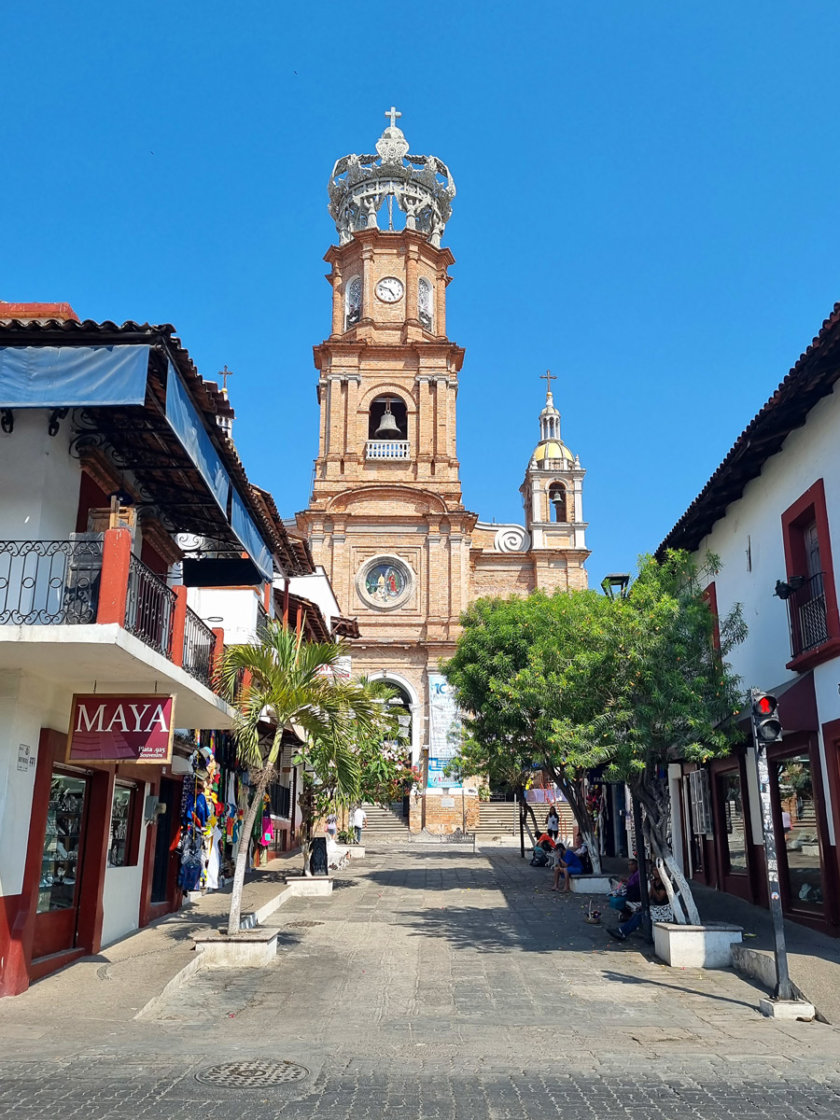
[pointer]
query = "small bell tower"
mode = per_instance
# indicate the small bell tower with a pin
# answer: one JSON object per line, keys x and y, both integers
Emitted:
{"x": 552, "y": 492}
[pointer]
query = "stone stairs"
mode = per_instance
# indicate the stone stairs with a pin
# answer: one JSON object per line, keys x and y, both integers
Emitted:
{"x": 501, "y": 818}
{"x": 385, "y": 824}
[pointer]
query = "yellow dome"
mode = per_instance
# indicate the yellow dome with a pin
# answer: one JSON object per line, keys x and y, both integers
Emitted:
{"x": 552, "y": 449}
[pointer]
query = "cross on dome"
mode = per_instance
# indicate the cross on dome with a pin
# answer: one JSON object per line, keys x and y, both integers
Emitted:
{"x": 548, "y": 377}
{"x": 393, "y": 114}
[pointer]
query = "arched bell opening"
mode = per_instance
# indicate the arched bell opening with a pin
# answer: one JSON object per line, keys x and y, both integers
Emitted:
{"x": 557, "y": 502}
{"x": 388, "y": 419}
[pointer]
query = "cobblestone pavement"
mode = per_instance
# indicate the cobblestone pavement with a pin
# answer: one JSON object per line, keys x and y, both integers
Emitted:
{"x": 432, "y": 984}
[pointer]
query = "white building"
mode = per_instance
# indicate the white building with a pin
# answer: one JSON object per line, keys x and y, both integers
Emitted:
{"x": 771, "y": 512}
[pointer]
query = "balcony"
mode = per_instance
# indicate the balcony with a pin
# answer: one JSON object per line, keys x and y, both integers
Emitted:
{"x": 387, "y": 449}
{"x": 84, "y": 610}
{"x": 807, "y": 615}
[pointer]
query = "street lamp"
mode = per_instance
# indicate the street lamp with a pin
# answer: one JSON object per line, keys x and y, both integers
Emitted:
{"x": 615, "y": 585}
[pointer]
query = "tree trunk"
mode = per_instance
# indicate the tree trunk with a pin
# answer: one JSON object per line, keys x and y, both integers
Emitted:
{"x": 654, "y": 795}
{"x": 576, "y": 797}
{"x": 235, "y": 915}
{"x": 307, "y": 808}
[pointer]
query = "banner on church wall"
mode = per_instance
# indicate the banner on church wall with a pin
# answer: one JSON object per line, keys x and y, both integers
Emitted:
{"x": 444, "y": 732}
{"x": 438, "y": 778}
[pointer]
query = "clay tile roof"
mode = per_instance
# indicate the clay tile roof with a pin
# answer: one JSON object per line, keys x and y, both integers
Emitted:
{"x": 811, "y": 379}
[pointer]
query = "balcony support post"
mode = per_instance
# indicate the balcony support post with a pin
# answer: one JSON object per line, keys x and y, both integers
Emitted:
{"x": 179, "y": 621}
{"x": 113, "y": 592}
{"x": 218, "y": 656}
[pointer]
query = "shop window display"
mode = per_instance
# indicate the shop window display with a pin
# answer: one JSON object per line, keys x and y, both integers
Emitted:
{"x": 794, "y": 783}
{"x": 58, "y": 885}
{"x": 732, "y": 806}
{"x": 122, "y": 813}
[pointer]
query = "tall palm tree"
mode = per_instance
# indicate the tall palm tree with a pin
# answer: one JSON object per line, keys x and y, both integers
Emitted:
{"x": 281, "y": 681}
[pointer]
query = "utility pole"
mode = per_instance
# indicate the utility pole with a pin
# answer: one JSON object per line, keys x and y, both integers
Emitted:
{"x": 767, "y": 729}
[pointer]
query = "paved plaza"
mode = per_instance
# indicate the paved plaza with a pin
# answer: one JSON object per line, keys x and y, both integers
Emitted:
{"x": 432, "y": 984}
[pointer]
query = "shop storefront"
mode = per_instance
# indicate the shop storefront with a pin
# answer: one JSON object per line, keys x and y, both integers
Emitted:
{"x": 722, "y": 827}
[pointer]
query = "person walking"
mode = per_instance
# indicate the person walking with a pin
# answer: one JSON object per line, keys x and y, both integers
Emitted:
{"x": 359, "y": 822}
{"x": 552, "y": 823}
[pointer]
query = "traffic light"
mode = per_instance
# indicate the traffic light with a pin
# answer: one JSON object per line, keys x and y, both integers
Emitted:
{"x": 765, "y": 719}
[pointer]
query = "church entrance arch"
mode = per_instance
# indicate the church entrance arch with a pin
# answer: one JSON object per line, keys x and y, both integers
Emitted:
{"x": 406, "y": 699}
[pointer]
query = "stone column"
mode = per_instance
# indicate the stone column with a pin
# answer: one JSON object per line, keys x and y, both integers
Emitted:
{"x": 338, "y": 300}
{"x": 411, "y": 259}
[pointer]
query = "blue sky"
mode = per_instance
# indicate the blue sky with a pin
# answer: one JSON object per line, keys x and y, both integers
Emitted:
{"x": 647, "y": 201}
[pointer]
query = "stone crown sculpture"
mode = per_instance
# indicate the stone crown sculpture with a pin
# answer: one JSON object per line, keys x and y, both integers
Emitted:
{"x": 422, "y": 187}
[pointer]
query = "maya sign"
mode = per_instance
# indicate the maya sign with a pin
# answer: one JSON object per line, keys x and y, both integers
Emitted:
{"x": 121, "y": 729}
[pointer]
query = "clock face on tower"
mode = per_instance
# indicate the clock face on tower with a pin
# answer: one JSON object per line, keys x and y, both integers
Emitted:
{"x": 389, "y": 289}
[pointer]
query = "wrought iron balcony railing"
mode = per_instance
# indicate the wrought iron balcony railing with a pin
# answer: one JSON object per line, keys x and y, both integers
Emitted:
{"x": 807, "y": 615}
{"x": 50, "y": 582}
{"x": 199, "y": 648}
{"x": 61, "y": 582}
{"x": 149, "y": 607}
{"x": 387, "y": 449}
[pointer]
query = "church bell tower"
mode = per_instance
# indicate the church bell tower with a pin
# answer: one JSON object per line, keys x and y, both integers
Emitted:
{"x": 385, "y": 516}
{"x": 388, "y": 373}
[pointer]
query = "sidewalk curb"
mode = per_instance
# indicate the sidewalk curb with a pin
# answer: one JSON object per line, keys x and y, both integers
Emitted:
{"x": 760, "y": 965}
{"x": 180, "y": 977}
{"x": 258, "y": 915}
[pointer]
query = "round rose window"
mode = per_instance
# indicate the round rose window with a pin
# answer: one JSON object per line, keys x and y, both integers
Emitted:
{"x": 384, "y": 582}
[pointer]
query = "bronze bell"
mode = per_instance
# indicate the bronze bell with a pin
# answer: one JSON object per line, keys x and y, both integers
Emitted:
{"x": 388, "y": 427}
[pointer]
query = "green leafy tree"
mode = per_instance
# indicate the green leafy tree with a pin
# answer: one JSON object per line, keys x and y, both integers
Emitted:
{"x": 575, "y": 681}
{"x": 285, "y": 682}
{"x": 671, "y": 697}
{"x": 522, "y": 664}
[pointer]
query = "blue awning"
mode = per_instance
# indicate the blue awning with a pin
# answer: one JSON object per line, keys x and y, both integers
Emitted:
{"x": 250, "y": 537}
{"x": 187, "y": 425}
{"x": 72, "y": 376}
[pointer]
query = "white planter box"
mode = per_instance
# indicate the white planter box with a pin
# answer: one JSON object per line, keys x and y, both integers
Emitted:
{"x": 316, "y": 885}
{"x": 253, "y": 948}
{"x": 707, "y": 946}
{"x": 590, "y": 884}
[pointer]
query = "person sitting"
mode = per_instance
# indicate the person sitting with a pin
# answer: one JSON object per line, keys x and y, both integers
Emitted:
{"x": 545, "y": 842}
{"x": 568, "y": 864}
{"x": 631, "y": 892}
{"x": 657, "y": 896}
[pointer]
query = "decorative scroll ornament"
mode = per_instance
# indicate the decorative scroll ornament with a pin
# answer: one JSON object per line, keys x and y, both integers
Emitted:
{"x": 422, "y": 187}
{"x": 512, "y": 538}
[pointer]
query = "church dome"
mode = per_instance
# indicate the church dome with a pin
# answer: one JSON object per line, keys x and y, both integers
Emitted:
{"x": 552, "y": 449}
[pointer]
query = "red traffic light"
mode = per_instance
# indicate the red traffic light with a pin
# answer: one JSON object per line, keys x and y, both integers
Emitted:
{"x": 766, "y": 725}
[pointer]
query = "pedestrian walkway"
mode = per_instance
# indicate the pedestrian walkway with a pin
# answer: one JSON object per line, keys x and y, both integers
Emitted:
{"x": 432, "y": 985}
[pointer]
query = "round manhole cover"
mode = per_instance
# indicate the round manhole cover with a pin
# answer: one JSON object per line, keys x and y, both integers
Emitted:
{"x": 305, "y": 924}
{"x": 252, "y": 1075}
